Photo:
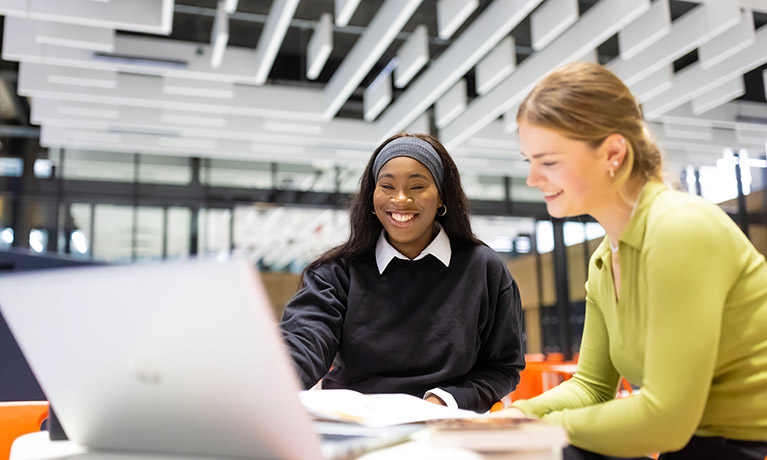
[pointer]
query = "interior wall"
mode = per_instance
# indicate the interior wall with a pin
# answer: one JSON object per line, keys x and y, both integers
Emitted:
{"x": 280, "y": 287}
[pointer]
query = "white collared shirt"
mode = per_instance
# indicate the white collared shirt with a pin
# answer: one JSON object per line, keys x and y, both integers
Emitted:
{"x": 439, "y": 248}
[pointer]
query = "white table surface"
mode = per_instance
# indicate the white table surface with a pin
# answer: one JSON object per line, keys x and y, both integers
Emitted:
{"x": 38, "y": 446}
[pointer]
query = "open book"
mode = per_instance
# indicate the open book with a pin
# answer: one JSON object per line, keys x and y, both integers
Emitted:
{"x": 443, "y": 425}
{"x": 375, "y": 410}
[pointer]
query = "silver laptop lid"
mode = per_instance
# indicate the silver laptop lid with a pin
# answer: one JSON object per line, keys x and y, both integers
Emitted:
{"x": 182, "y": 357}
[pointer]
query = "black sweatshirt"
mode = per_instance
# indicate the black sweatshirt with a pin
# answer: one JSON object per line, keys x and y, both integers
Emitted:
{"x": 417, "y": 326}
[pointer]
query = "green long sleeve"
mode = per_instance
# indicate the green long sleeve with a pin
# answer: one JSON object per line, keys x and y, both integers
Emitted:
{"x": 689, "y": 329}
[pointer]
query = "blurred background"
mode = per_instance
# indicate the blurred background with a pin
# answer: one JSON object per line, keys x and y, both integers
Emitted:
{"x": 145, "y": 130}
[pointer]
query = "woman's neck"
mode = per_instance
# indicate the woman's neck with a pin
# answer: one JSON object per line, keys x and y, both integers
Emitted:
{"x": 617, "y": 209}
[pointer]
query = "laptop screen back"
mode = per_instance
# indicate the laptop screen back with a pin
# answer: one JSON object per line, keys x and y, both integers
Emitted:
{"x": 183, "y": 357}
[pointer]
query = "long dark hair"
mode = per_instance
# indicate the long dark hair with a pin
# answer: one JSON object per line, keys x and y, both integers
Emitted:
{"x": 365, "y": 226}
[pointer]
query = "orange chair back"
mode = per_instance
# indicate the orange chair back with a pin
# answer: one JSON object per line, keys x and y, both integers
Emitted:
{"x": 555, "y": 357}
{"x": 540, "y": 376}
{"x": 17, "y": 418}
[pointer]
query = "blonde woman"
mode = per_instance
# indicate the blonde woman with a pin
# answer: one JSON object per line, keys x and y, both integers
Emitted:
{"x": 676, "y": 297}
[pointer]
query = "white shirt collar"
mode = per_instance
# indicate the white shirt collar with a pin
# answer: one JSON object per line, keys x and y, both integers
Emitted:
{"x": 439, "y": 248}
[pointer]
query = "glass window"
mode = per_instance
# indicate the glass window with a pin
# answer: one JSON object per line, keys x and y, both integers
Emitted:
{"x": 521, "y": 192}
{"x": 113, "y": 228}
{"x": 575, "y": 233}
{"x": 11, "y": 167}
{"x": 718, "y": 184}
{"x": 6, "y": 237}
{"x": 81, "y": 220}
{"x": 500, "y": 232}
{"x": 480, "y": 187}
{"x": 287, "y": 238}
{"x": 306, "y": 177}
{"x": 43, "y": 168}
{"x": 164, "y": 170}
{"x": 38, "y": 240}
{"x": 594, "y": 230}
{"x": 320, "y": 177}
{"x": 179, "y": 226}
{"x": 93, "y": 165}
{"x": 78, "y": 243}
{"x": 149, "y": 233}
{"x": 233, "y": 173}
{"x": 213, "y": 226}
{"x": 544, "y": 236}
{"x": 523, "y": 244}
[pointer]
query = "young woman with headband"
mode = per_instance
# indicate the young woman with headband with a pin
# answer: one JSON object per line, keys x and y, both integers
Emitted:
{"x": 676, "y": 297}
{"x": 413, "y": 302}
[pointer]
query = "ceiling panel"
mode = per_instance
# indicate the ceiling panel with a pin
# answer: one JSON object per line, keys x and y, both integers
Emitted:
{"x": 136, "y": 76}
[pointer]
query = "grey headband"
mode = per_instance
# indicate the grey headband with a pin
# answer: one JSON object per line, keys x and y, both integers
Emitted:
{"x": 415, "y": 148}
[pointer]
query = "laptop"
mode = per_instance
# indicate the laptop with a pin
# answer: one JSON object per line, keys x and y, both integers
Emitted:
{"x": 182, "y": 358}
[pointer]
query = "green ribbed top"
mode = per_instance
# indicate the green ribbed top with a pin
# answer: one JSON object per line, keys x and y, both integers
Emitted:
{"x": 690, "y": 328}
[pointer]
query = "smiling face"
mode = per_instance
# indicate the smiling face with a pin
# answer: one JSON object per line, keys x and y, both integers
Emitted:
{"x": 571, "y": 174}
{"x": 405, "y": 200}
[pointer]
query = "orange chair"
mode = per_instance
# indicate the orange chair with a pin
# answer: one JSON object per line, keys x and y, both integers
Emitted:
{"x": 541, "y": 373}
{"x": 534, "y": 357}
{"x": 17, "y": 418}
{"x": 537, "y": 377}
{"x": 625, "y": 389}
{"x": 555, "y": 357}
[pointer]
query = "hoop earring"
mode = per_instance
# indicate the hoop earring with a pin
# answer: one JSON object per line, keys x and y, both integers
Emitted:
{"x": 444, "y": 210}
{"x": 374, "y": 213}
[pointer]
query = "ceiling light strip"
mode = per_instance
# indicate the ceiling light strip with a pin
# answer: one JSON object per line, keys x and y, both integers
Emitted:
{"x": 75, "y": 36}
{"x": 550, "y": 20}
{"x": 594, "y": 27}
{"x": 735, "y": 40}
{"x": 412, "y": 56}
{"x": 495, "y": 22}
{"x": 219, "y": 35}
{"x": 320, "y": 46}
{"x": 496, "y": 66}
{"x": 451, "y": 14}
{"x": 345, "y": 10}
{"x": 272, "y": 35}
{"x": 694, "y": 80}
{"x": 646, "y": 30}
{"x": 379, "y": 34}
{"x": 719, "y": 95}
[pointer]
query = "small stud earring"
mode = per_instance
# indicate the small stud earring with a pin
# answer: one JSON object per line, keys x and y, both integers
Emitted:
{"x": 615, "y": 163}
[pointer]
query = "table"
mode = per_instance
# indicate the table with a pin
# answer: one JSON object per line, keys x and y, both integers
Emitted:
{"x": 38, "y": 446}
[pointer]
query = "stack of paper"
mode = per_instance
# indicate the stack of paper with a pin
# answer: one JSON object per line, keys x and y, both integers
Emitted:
{"x": 491, "y": 434}
{"x": 445, "y": 426}
{"x": 375, "y": 410}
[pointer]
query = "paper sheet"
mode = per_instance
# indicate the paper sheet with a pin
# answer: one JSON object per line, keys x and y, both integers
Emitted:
{"x": 375, "y": 410}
